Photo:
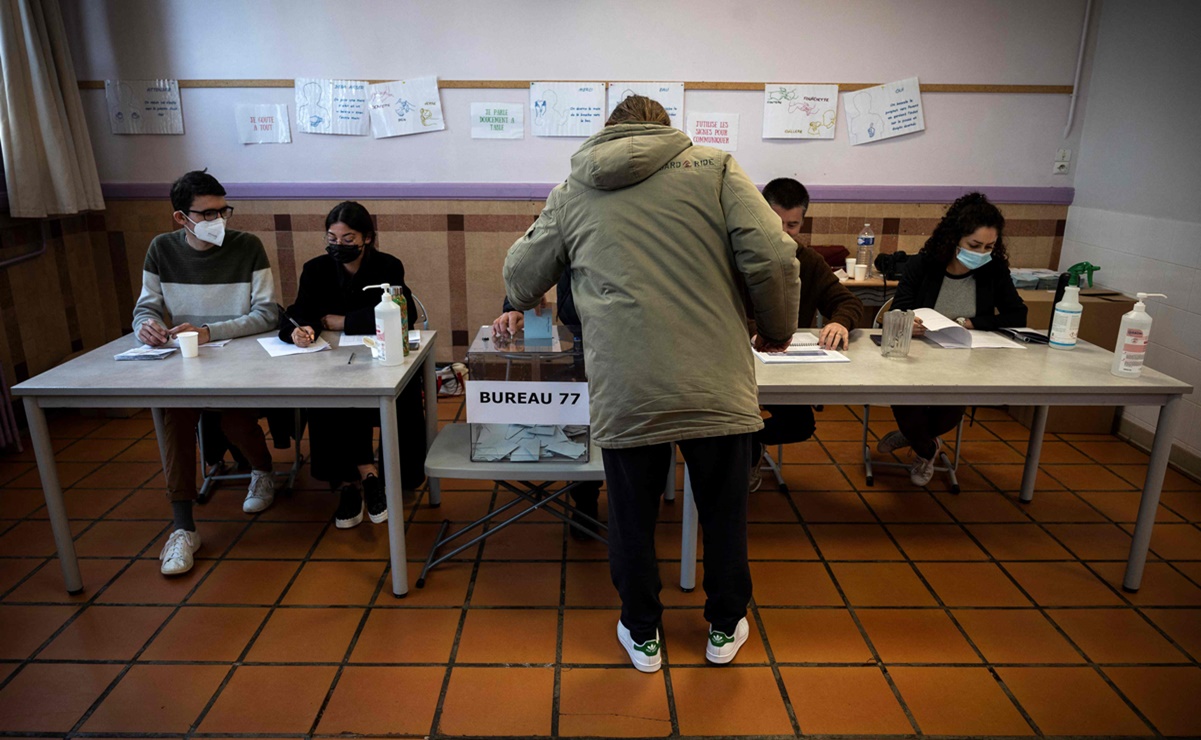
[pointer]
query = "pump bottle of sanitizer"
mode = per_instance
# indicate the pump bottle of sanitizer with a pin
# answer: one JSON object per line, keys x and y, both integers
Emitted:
{"x": 1133, "y": 335}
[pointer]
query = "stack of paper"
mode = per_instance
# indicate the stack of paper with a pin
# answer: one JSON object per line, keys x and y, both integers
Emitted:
{"x": 803, "y": 349}
{"x": 277, "y": 347}
{"x": 946, "y": 333}
{"x": 527, "y": 442}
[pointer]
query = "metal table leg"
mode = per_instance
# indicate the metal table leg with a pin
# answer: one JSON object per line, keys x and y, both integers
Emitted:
{"x": 688, "y": 544}
{"x": 1152, "y": 486}
{"x": 43, "y": 450}
{"x": 390, "y": 442}
{"x": 1034, "y": 448}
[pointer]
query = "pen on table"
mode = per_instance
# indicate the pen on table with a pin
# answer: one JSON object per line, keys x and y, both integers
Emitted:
{"x": 351, "y": 358}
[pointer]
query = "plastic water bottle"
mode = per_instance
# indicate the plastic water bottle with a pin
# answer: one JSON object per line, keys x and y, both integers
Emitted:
{"x": 867, "y": 248}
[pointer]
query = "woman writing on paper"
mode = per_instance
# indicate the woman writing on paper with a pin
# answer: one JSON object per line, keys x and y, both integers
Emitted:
{"x": 331, "y": 297}
{"x": 962, "y": 272}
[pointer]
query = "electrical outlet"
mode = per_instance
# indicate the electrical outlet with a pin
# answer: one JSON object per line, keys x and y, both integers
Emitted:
{"x": 1060, "y": 168}
{"x": 1063, "y": 155}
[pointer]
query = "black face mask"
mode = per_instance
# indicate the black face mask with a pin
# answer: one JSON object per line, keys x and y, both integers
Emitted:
{"x": 344, "y": 253}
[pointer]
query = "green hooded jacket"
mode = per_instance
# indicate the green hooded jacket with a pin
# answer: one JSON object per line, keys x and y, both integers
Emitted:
{"x": 661, "y": 238}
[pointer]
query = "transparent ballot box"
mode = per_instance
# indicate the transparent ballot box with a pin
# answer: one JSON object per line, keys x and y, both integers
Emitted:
{"x": 527, "y": 399}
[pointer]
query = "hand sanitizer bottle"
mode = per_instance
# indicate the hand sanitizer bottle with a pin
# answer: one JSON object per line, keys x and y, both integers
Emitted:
{"x": 1133, "y": 335}
{"x": 1066, "y": 321}
{"x": 389, "y": 328}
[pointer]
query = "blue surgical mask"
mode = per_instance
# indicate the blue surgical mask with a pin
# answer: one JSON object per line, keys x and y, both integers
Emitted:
{"x": 974, "y": 260}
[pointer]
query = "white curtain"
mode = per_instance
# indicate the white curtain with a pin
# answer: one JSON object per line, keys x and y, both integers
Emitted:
{"x": 48, "y": 160}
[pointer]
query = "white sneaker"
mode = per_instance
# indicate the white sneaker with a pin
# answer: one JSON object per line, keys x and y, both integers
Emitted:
{"x": 644, "y": 655}
{"x": 177, "y": 553}
{"x": 261, "y": 492}
{"x": 922, "y": 470}
{"x": 721, "y": 648}
{"x": 891, "y": 441}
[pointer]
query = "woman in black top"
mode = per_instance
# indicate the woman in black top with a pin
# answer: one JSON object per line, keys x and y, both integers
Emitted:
{"x": 331, "y": 297}
{"x": 963, "y": 273}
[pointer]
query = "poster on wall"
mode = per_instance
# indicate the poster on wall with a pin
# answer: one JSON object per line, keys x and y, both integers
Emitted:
{"x": 263, "y": 124}
{"x": 331, "y": 107}
{"x": 884, "y": 111}
{"x": 668, "y": 94}
{"x": 567, "y": 108}
{"x": 718, "y": 130}
{"x": 143, "y": 106}
{"x": 800, "y": 111}
{"x": 497, "y": 121}
{"x": 405, "y": 107}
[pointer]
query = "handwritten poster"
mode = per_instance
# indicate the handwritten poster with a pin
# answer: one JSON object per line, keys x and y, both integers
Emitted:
{"x": 884, "y": 111}
{"x": 332, "y": 107}
{"x": 567, "y": 108}
{"x": 668, "y": 94}
{"x": 800, "y": 111}
{"x": 497, "y": 121}
{"x": 405, "y": 107}
{"x": 263, "y": 124}
{"x": 718, "y": 130}
{"x": 143, "y": 106}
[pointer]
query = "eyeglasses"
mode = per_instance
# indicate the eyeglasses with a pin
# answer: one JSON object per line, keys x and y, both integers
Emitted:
{"x": 212, "y": 214}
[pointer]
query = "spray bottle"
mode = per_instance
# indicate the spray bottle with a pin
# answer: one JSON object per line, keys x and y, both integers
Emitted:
{"x": 389, "y": 328}
{"x": 1133, "y": 335}
{"x": 1065, "y": 321}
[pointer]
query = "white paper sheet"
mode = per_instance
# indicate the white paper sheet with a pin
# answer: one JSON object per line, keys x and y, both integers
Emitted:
{"x": 718, "y": 130}
{"x": 884, "y": 111}
{"x": 143, "y": 106}
{"x": 567, "y": 108}
{"x": 405, "y": 107}
{"x": 263, "y": 124}
{"x": 800, "y": 111}
{"x": 950, "y": 335}
{"x": 277, "y": 347}
{"x": 332, "y": 107}
{"x": 668, "y": 94}
{"x": 497, "y": 121}
{"x": 800, "y": 355}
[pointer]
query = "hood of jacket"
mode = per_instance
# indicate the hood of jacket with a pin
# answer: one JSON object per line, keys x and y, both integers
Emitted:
{"x": 626, "y": 154}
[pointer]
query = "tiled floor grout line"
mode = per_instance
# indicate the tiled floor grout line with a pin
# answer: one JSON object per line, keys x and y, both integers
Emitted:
{"x": 557, "y": 695}
{"x": 775, "y": 669}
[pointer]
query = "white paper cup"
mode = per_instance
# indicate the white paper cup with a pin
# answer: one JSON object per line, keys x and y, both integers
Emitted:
{"x": 850, "y": 266}
{"x": 189, "y": 343}
{"x": 861, "y": 272}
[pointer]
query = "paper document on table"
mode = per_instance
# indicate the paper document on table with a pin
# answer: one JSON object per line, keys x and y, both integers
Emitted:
{"x": 352, "y": 340}
{"x": 146, "y": 353}
{"x": 277, "y": 347}
{"x": 950, "y": 335}
{"x": 802, "y": 354}
{"x": 804, "y": 339}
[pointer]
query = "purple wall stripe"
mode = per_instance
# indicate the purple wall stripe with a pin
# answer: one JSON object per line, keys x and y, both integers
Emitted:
{"x": 539, "y": 191}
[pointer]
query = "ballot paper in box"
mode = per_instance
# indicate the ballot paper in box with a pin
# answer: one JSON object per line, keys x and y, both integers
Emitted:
{"x": 527, "y": 401}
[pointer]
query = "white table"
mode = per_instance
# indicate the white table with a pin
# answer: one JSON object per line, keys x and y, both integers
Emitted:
{"x": 239, "y": 375}
{"x": 1038, "y": 376}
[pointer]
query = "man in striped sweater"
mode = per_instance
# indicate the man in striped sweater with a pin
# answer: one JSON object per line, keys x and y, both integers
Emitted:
{"x": 218, "y": 283}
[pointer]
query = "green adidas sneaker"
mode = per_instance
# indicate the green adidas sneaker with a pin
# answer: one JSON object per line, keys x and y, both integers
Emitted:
{"x": 645, "y": 656}
{"x": 721, "y": 648}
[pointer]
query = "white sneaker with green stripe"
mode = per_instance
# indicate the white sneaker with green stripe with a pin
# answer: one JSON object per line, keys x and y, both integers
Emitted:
{"x": 721, "y": 648}
{"x": 644, "y": 655}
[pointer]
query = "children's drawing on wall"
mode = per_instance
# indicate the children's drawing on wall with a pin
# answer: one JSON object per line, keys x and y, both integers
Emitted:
{"x": 668, "y": 94}
{"x": 404, "y": 107}
{"x": 263, "y": 124}
{"x": 567, "y": 108}
{"x": 884, "y": 111}
{"x": 325, "y": 106}
{"x": 143, "y": 106}
{"x": 799, "y": 111}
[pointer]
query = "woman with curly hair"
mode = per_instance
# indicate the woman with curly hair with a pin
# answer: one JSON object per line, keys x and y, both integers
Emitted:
{"x": 961, "y": 272}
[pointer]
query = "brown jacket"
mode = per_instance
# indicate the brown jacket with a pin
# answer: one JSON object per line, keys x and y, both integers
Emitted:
{"x": 821, "y": 291}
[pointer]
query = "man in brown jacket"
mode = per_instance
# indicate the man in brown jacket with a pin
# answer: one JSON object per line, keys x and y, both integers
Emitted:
{"x": 822, "y": 292}
{"x": 659, "y": 237}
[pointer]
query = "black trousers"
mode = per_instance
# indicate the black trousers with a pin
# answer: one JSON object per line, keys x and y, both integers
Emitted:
{"x": 787, "y": 424}
{"x": 921, "y": 424}
{"x": 717, "y": 468}
{"x": 340, "y": 440}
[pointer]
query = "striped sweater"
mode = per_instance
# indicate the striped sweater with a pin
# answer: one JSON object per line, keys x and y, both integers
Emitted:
{"x": 228, "y": 288}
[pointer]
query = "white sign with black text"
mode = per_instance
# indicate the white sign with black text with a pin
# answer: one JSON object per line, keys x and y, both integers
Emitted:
{"x": 523, "y": 402}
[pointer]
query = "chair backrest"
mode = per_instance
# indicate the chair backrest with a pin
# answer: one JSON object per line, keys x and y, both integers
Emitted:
{"x": 880, "y": 314}
{"x": 422, "y": 315}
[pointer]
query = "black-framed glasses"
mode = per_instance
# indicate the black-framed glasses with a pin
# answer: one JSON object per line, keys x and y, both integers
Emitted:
{"x": 212, "y": 214}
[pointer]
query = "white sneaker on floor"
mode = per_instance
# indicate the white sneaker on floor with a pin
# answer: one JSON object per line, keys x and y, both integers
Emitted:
{"x": 644, "y": 655}
{"x": 922, "y": 470}
{"x": 891, "y": 441}
{"x": 721, "y": 648}
{"x": 261, "y": 492}
{"x": 177, "y": 553}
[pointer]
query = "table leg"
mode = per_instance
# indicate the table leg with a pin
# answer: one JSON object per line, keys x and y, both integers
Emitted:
{"x": 43, "y": 450}
{"x": 390, "y": 442}
{"x": 430, "y": 380}
{"x": 1034, "y": 448}
{"x": 688, "y": 546}
{"x": 1152, "y": 486}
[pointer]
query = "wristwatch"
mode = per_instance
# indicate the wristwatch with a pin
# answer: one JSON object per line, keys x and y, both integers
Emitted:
{"x": 961, "y": 321}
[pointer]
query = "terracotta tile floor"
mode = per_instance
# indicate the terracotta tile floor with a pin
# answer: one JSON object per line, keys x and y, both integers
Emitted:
{"x": 879, "y": 611}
